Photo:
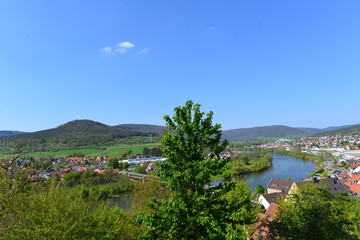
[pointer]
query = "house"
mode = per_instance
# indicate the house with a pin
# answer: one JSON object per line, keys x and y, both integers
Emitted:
{"x": 355, "y": 168}
{"x": 100, "y": 171}
{"x": 354, "y": 183}
{"x": 278, "y": 185}
{"x": 81, "y": 169}
{"x": 343, "y": 176}
{"x": 355, "y": 188}
{"x": 144, "y": 163}
{"x": 77, "y": 160}
{"x": 270, "y": 214}
{"x": 151, "y": 167}
{"x": 272, "y": 210}
{"x": 335, "y": 186}
{"x": 267, "y": 199}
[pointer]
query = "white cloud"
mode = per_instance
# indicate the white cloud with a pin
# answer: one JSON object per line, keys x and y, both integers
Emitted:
{"x": 120, "y": 48}
{"x": 126, "y": 45}
{"x": 107, "y": 50}
{"x": 144, "y": 50}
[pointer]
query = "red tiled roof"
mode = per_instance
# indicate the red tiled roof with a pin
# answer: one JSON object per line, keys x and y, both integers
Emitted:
{"x": 355, "y": 165}
{"x": 271, "y": 211}
{"x": 343, "y": 175}
{"x": 355, "y": 188}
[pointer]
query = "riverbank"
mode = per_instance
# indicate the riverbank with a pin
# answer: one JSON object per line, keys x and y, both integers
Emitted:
{"x": 302, "y": 155}
{"x": 283, "y": 167}
{"x": 247, "y": 163}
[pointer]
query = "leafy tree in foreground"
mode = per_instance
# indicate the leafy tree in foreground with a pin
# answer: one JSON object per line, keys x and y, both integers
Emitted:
{"x": 193, "y": 211}
{"x": 314, "y": 213}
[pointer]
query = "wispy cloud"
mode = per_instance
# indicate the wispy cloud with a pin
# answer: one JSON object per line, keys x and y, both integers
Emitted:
{"x": 107, "y": 50}
{"x": 144, "y": 51}
{"x": 124, "y": 46}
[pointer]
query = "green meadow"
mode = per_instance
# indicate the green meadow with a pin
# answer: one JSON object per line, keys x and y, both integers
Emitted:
{"x": 114, "y": 150}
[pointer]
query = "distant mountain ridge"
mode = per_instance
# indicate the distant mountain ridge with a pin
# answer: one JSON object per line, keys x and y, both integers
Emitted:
{"x": 9, "y": 133}
{"x": 81, "y": 132}
{"x": 322, "y": 130}
{"x": 347, "y": 130}
{"x": 264, "y": 133}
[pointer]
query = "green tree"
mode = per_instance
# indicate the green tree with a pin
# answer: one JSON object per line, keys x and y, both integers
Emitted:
{"x": 113, "y": 163}
{"x": 140, "y": 169}
{"x": 260, "y": 189}
{"x": 192, "y": 210}
{"x": 312, "y": 212}
{"x": 71, "y": 177}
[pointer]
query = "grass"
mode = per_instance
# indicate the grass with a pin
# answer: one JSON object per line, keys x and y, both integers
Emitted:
{"x": 115, "y": 150}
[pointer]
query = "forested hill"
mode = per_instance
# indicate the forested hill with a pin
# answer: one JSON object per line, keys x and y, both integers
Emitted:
{"x": 321, "y": 130}
{"x": 264, "y": 133}
{"x": 354, "y": 129}
{"x": 144, "y": 128}
{"x": 9, "y": 133}
{"x": 73, "y": 134}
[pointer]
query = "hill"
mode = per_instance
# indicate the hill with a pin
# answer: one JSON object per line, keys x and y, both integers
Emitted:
{"x": 71, "y": 135}
{"x": 350, "y": 130}
{"x": 9, "y": 133}
{"x": 321, "y": 130}
{"x": 144, "y": 128}
{"x": 264, "y": 133}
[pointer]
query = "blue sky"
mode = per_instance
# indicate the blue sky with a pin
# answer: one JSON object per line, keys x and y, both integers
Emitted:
{"x": 253, "y": 63}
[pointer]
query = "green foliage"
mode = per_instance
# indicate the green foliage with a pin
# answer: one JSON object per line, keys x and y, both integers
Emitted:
{"x": 193, "y": 211}
{"x": 113, "y": 163}
{"x": 52, "y": 213}
{"x": 245, "y": 163}
{"x": 124, "y": 165}
{"x": 153, "y": 152}
{"x": 71, "y": 177}
{"x": 260, "y": 189}
{"x": 140, "y": 169}
{"x": 312, "y": 212}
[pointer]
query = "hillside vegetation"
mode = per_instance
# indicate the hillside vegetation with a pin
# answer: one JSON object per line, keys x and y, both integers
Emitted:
{"x": 264, "y": 133}
{"x": 144, "y": 128}
{"x": 72, "y": 135}
{"x": 354, "y": 129}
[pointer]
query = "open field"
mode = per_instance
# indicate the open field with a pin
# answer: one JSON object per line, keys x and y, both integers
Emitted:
{"x": 115, "y": 150}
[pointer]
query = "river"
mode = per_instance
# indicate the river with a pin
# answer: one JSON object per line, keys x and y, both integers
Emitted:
{"x": 283, "y": 167}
